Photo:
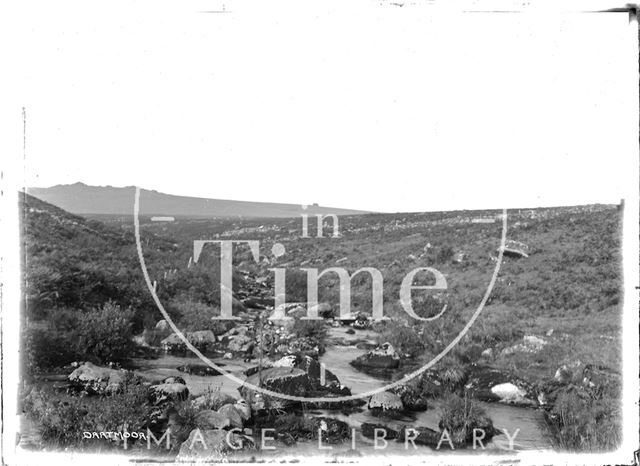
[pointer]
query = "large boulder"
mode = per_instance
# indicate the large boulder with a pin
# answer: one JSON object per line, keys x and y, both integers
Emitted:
{"x": 169, "y": 392}
{"x": 385, "y": 402}
{"x": 515, "y": 249}
{"x": 213, "y": 400}
{"x": 233, "y": 415}
{"x": 97, "y": 380}
{"x": 283, "y": 380}
{"x": 490, "y": 384}
{"x": 162, "y": 325}
{"x": 313, "y": 369}
{"x": 212, "y": 445}
{"x": 383, "y": 357}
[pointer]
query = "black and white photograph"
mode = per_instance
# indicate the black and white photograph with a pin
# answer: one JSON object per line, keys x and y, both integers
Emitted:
{"x": 367, "y": 232}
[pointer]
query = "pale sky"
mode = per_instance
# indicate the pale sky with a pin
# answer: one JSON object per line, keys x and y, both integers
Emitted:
{"x": 349, "y": 104}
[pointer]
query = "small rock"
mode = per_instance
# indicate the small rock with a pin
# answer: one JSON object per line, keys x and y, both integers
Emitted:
{"x": 368, "y": 430}
{"x": 384, "y": 356}
{"x": 169, "y": 392}
{"x": 487, "y": 353}
{"x": 232, "y": 414}
{"x": 385, "y": 401}
{"x": 162, "y": 325}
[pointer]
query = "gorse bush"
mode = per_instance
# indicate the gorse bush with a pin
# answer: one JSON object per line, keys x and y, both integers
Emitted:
{"x": 100, "y": 335}
{"x": 193, "y": 316}
{"x": 105, "y": 334}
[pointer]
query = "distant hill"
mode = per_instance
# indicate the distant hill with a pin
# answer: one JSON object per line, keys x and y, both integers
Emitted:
{"x": 82, "y": 199}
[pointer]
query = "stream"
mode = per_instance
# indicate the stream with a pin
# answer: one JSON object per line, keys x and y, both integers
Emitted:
{"x": 531, "y": 434}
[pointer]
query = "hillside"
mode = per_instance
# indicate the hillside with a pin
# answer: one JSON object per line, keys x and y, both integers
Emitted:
{"x": 75, "y": 263}
{"x": 82, "y": 199}
{"x": 550, "y": 332}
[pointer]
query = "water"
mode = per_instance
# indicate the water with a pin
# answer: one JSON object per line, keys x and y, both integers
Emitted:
{"x": 531, "y": 433}
{"x": 530, "y": 422}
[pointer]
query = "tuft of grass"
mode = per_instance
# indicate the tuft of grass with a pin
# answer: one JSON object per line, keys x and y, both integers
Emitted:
{"x": 580, "y": 422}
{"x": 460, "y": 416}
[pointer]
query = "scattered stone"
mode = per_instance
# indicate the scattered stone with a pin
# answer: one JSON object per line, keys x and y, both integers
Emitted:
{"x": 227, "y": 356}
{"x": 549, "y": 332}
{"x": 202, "y": 340}
{"x": 530, "y": 344}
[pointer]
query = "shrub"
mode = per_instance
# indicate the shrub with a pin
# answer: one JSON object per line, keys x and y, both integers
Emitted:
{"x": 194, "y": 315}
{"x": 45, "y": 350}
{"x": 62, "y": 419}
{"x": 105, "y": 334}
{"x": 580, "y": 422}
{"x": 313, "y": 330}
{"x": 100, "y": 335}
